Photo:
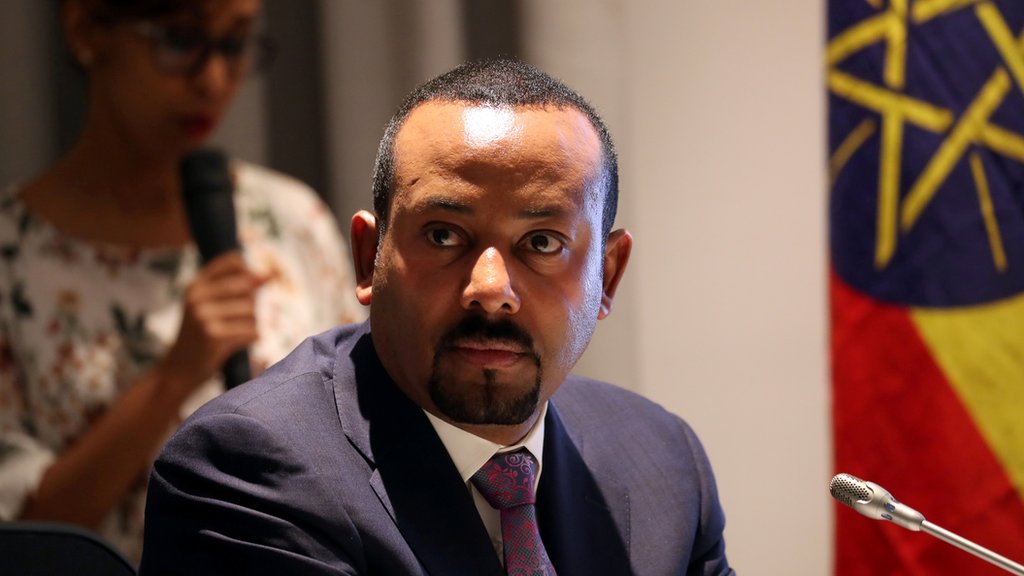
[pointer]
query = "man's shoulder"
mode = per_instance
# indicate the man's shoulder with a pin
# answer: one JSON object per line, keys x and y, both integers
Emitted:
{"x": 312, "y": 365}
{"x": 270, "y": 420}
{"x": 607, "y": 412}
{"x": 588, "y": 396}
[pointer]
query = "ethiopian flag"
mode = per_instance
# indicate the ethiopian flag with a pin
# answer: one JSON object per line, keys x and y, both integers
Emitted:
{"x": 926, "y": 151}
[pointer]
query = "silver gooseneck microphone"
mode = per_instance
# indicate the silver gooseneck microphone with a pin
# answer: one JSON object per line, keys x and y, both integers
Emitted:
{"x": 875, "y": 502}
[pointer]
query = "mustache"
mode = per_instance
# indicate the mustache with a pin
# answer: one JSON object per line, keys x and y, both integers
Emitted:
{"x": 479, "y": 328}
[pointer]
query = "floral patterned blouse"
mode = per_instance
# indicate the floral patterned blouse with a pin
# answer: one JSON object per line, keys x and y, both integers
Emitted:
{"x": 79, "y": 321}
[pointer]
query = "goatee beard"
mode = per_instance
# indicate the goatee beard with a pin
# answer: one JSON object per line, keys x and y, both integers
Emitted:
{"x": 485, "y": 400}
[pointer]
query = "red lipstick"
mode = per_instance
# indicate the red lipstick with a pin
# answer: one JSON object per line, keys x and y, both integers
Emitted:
{"x": 197, "y": 125}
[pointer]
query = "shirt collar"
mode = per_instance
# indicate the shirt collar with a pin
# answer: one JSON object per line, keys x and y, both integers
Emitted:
{"x": 469, "y": 452}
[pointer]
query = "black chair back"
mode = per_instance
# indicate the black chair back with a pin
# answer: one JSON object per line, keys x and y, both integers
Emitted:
{"x": 46, "y": 549}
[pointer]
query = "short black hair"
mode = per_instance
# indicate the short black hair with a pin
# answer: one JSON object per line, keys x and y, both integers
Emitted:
{"x": 501, "y": 82}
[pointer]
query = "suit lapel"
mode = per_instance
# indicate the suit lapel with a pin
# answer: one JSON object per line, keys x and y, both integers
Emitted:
{"x": 413, "y": 476}
{"x": 583, "y": 517}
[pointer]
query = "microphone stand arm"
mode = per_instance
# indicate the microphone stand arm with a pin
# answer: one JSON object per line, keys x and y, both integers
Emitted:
{"x": 968, "y": 546}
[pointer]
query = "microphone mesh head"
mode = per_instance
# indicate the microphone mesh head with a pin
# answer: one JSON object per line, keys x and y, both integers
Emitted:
{"x": 848, "y": 489}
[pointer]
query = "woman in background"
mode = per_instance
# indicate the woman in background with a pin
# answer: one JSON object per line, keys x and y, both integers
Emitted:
{"x": 111, "y": 330}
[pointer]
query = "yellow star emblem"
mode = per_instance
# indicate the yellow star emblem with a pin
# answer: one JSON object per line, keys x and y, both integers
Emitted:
{"x": 973, "y": 128}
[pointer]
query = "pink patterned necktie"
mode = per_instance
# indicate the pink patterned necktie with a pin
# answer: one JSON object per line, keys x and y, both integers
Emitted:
{"x": 506, "y": 482}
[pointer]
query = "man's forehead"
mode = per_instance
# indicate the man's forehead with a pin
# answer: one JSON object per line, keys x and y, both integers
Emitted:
{"x": 445, "y": 133}
{"x": 483, "y": 125}
{"x": 482, "y": 122}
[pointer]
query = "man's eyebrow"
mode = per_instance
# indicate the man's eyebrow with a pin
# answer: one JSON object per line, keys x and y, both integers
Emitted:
{"x": 445, "y": 204}
{"x": 546, "y": 211}
{"x": 453, "y": 205}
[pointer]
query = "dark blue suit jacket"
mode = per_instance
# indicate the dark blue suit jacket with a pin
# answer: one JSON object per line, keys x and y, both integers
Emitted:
{"x": 322, "y": 466}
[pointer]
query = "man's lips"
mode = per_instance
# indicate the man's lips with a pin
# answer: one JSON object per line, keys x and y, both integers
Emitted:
{"x": 489, "y": 353}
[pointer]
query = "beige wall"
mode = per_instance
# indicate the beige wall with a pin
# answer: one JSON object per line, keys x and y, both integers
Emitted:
{"x": 718, "y": 110}
{"x": 733, "y": 332}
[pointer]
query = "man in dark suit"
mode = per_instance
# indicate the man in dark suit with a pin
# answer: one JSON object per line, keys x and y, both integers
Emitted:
{"x": 445, "y": 436}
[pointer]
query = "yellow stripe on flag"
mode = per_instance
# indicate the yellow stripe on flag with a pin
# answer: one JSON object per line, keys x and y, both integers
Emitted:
{"x": 849, "y": 147}
{"x": 981, "y": 351}
{"x": 966, "y": 132}
{"x": 995, "y": 240}
{"x": 860, "y": 36}
{"x": 925, "y": 10}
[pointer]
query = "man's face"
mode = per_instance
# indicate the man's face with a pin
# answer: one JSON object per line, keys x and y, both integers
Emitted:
{"x": 488, "y": 281}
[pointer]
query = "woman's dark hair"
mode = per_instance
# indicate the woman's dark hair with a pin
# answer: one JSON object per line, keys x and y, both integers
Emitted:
{"x": 119, "y": 10}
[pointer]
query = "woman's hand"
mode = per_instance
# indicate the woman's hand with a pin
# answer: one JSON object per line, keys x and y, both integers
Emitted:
{"x": 219, "y": 318}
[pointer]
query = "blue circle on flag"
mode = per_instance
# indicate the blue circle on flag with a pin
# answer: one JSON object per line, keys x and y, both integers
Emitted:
{"x": 966, "y": 244}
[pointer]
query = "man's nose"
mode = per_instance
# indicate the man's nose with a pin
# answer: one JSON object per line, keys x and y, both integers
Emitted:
{"x": 490, "y": 285}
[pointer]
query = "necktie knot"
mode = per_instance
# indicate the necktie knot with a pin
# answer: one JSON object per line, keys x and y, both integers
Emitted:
{"x": 506, "y": 480}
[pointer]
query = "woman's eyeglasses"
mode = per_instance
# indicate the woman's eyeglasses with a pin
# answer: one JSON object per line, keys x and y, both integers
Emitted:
{"x": 186, "y": 50}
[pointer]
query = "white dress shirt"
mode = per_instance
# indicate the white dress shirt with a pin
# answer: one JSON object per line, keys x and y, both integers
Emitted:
{"x": 470, "y": 452}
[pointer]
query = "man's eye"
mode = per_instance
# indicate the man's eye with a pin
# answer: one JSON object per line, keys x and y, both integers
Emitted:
{"x": 444, "y": 237}
{"x": 543, "y": 243}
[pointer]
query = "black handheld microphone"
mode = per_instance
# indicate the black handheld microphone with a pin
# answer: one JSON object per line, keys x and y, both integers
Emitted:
{"x": 209, "y": 206}
{"x": 873, "y": 501}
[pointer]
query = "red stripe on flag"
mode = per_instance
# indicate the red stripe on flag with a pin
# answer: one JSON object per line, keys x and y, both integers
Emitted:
{"x": 899, "y": 423}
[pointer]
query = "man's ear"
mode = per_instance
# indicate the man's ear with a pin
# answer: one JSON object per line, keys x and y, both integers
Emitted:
{"x": 616, "y": 256}
{"x": 363, "y": 240}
